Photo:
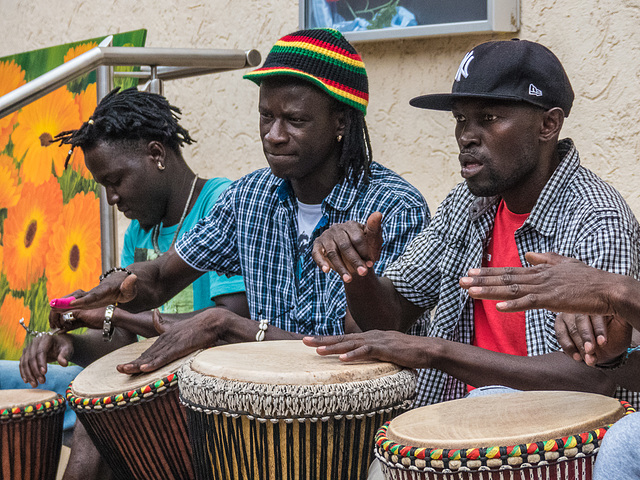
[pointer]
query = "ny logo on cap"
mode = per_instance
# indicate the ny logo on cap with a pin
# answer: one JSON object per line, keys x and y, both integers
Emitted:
{"x": 533, "y": 90}
{"x": 464, "y": 66}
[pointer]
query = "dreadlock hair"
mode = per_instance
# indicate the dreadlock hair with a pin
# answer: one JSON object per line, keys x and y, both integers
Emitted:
{"x": 356, "y": 156}
{"x": 130, "y": 115}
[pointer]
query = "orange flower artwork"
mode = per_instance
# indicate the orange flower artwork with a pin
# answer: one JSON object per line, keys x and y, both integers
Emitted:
{"x": 13, "y": 335}
{"x": 87, "y": 102}
{"x": 9, "y": 188}
{"x": 27, "y": 229}
{"x": 38, "y": 123}
{"x": 77, "y": 85}
{"x": 11, "y": 77}
{"x": 74, "y": 259}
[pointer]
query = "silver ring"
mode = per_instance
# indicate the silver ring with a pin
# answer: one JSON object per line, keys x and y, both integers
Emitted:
{"x": 68, "y": 317}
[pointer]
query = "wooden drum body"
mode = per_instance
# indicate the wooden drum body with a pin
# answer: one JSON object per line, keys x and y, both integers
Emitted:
{"x": 278, "y": 410}
{"x": 135, "y": 421}
{"x": 30, "y": 434}
{"x": 524, "y": 435}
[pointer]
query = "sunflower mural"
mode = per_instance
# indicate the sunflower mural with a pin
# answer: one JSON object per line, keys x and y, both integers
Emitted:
{"x": 49, "y": 214}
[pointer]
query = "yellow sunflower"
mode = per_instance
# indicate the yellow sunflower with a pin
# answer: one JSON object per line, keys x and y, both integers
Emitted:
{"x": 12, "y": 335}
{"x": 27, "y": 229}
{"x": 38, "y": 123}
{"x": 9, "y": 188}
{"x": 87, "y": 102}
{"x": 80, "y": 83}
{"x": 74, "y": 247}
{"x": 11, "y": 77}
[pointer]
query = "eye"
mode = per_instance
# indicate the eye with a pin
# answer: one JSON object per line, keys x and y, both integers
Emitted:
{"x": 266, "y": 116}
{"x": 458, "y": 117}
{"x": 490, "y": 117}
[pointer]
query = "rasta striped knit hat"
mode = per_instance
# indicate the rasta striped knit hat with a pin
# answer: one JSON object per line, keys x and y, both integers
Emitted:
{"x": 323, "y": 57}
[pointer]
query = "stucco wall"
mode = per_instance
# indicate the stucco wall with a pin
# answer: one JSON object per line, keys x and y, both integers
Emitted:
{"x": 597, "y": 41}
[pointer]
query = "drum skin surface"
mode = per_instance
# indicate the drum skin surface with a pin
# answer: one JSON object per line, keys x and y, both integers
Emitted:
{"x": 135, "y": 421}
{"x": 31, "y": 422}
{"x": 266, "y": 410}
{"x": 533, "y": 435}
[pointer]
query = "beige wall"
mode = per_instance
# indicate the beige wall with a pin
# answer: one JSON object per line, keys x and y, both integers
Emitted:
{"x": 597, "y": 41}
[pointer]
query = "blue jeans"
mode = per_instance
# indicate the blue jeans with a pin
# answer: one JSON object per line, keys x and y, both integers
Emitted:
{"x": 57, "y": 380}
{"x": 619, "y": 456}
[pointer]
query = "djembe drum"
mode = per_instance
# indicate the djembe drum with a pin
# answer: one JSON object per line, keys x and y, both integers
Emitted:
{"x": 266, "y": 410}
{"x": 135, "y": 421}
{"x": 523, "y": 435}
{"x": 30, "y": 433}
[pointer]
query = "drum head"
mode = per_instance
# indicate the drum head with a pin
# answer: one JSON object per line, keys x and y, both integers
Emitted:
{"x": 101, "y": 379}
{"x": 28, "y": 396}
{"x": 285, "y": 362}
{"x": 505, "y": 419}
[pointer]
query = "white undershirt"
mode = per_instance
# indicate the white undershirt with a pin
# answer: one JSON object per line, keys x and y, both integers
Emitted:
{"x": 308, "y": 218}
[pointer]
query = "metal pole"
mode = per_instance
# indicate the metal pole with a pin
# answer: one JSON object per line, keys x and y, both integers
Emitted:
{"x": 108, "y": 225}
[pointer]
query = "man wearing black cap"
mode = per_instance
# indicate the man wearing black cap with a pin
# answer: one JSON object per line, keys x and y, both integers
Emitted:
{"x": 524, "y": 191}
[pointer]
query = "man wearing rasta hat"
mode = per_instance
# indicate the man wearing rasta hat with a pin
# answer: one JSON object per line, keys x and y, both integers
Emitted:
{"x": 524, "y": 191}
{"x": 313, "y": 98}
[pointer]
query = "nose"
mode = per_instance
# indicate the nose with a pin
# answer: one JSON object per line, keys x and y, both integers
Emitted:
{"x": 276, "y": 132}
{"x": 112, "y": 196}
{"x": 467, "y": 134}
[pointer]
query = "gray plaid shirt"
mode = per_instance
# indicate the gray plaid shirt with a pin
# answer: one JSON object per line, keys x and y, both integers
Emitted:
{"x": 577, "y": 215}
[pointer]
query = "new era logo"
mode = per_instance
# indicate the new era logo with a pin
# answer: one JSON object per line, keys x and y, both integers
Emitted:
{"x": 535, "y": 91}
{"x": 463, "y": 69}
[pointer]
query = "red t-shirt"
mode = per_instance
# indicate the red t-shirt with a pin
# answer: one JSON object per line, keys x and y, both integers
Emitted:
{"x": 498, "y": 331}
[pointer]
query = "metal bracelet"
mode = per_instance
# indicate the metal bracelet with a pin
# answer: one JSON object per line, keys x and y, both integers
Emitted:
{"x": 107, "y": 327}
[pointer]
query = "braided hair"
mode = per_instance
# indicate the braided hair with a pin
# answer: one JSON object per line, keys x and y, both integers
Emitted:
{"x": 130, "y": 115}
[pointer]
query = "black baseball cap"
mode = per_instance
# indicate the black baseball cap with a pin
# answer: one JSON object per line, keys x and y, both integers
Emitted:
{"x": 517, "y": 70}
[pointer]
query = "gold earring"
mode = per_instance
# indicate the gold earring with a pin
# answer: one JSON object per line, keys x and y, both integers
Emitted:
{"x": 160, "y": 165}
{"x": 339, "y": 138}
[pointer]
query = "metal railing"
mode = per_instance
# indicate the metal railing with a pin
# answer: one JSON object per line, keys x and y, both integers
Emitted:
{"x": 156, "y": 65}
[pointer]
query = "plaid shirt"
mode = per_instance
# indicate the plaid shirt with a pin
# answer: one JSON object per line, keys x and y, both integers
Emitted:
{"x": 252, "y": 231}
{"x": 577, "y": 215}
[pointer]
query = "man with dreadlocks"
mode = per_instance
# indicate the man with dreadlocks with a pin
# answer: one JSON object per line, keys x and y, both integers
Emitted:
{"x": 313, "y": 98}
{"x": 132, "y": 146}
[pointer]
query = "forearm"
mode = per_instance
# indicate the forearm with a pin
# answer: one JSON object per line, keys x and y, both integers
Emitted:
{"x": 236, "y": 329}
{"x": 555, "y": 371}
{"x": 90, "y": 346}
{"x": 375, "y": 304}
{"x": 625, "y": 300}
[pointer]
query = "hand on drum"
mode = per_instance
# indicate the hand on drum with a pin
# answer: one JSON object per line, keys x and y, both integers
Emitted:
{"x": 387, "y": 346}
{"x": 594, "y": 339}
{"x": 119, "y": 287}
{"x": 176, "y": 340}
{"x": 349, "y": 248}
{"x": 41, "y": 350}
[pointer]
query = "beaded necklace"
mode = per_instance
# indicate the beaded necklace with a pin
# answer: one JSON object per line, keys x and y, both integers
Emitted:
{"x": 156, "y": 228}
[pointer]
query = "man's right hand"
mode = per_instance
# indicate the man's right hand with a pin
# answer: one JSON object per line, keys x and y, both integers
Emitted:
{"x": 349, "y": 248}
{"x": 41, "y": 350}
{"x": 119, "y": 287}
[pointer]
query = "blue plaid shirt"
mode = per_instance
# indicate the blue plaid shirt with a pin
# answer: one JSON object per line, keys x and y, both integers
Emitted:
{"x": 252, "y": 231}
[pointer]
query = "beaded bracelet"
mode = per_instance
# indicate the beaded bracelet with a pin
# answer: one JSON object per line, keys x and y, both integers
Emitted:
{"x": 113, "y": 270}
{"x": 262, "y": 328}
{"x": 617, "y": 362}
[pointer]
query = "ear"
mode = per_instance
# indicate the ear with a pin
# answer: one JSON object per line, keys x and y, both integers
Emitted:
{"x": 157, "y": 154}
{"x": 552, "y": 121}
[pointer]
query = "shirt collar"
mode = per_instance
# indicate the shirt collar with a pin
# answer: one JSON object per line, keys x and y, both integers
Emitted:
{"x": 341, "y": 198}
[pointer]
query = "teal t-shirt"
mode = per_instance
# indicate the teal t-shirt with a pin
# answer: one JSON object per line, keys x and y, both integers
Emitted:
{"x": 138, "y": 248}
